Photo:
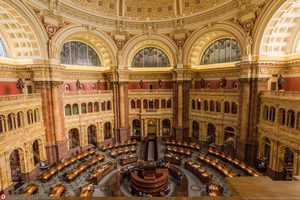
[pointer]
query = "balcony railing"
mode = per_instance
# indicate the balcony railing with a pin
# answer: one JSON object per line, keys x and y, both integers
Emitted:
{"x": 222, "y": 91}
{"x": 20, "y": 97}
{"x": 93, "y": 92}
{"x": 282, "y": 94}
{"x": 149, "y": 90}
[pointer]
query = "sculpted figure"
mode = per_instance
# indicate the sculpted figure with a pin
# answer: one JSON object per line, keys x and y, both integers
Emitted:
{"x": 280, "y": 82}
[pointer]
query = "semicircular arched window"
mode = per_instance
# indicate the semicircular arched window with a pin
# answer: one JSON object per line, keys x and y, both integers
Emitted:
{"x": 150, "y": 57}
{"x": 79, "y": 53}
{"x": 222, "y": 51}
{"x": 2, "y": 49}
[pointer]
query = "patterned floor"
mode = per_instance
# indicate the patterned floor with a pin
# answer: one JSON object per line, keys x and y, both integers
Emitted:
{"x": 196, "y": 188}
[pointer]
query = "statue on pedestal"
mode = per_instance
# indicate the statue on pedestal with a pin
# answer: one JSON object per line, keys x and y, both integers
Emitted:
{"x": 280, "y": 81}
{"x": 20, "y": 84}
{"x": 223, "y": 83}
{"x": 78, "y": 84}
{"x": 202, "y": 83}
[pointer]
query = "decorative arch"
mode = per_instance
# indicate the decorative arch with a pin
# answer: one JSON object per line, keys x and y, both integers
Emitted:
{"x": 138, "y": 43}
{"x": 279, "y": 27}
{"x": 37, "y": 149}
{"x": 17, "y": 164}
{"x": 200, "y": 40}
{"x": 22, "y": 32}
{"x": 100, "y": 42}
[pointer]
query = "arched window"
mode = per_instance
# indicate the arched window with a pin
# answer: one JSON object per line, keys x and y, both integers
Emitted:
{"x": 96, "y": 107}
{"x": 90, "y": 107}
{"x": 205, "y": 105}
{"x": 108, "y": 105}
{"x": 83, "y": 108}
{"x": 132, "y": 104}
{"x": 74, "y": 138}
{"x": 272, "y": 114}
{"x": 2, "y": 49}
{"x": 198, "y": 104}
{"x": 75, "y": 109}
{"x": 226, "y": 107}
{"x": 193, "y": 104}
{"x": 156, "y": 103}
{"x": 163, "y": 103}
{"x": 138, "y": 104}
{"x": 107, "y": 130}
{"x": 290, "y": 122}
{"x": 212, "y": 106}
{"x": 151, "y": 104}
{"x": 79, "y": 53}
{"x": 36, "y": 115}
{"x": 2, "y": 124}
{"x": 218, "y": 106}
{"x": 94, "y": 87}
{"x": 298, "y": 121}
{"x": 68, "y": 110}
{"x": 265, "y": 112}
{"x": 150, "y": 57}
{"x": 281, "y": 116}
{"x": 234, "y": 108}
{"x": 103, "y": 107}
{"x": 20, "y": 119}
{"x": 195, "y": 128}
{"x": 11, "y": 121}
{"x": 221, "y": 51}
{"x": 30, "y": 116}
{"x": 169, "y": 103}
{"x": 145, "y": 104}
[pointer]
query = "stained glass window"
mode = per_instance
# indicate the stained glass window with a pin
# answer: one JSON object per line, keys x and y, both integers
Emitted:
{"x": 79, "y": 53}
{"x": 221, "y": 51}
{"x": 150, "y": 57}
{"x": 2, "y": 49}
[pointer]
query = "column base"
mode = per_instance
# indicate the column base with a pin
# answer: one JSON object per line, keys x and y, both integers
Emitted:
{"x": 122, "y": 134}
{"x": 51, "y": 154}
{"x": 62, "y": 149}
{"x": 31, "y": 175}
{"x": 274, "y": 175}
{"x": 241, "y": 149}
{"x": 180, "y": 134}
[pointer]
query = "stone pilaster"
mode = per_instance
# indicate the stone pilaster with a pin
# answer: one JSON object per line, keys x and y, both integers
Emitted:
{"x": 249, "y": 108}
{"x": 181, "y": 88}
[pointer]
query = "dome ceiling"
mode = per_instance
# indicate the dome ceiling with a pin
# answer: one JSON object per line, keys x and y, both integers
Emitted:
{"x": 145, "y": 9}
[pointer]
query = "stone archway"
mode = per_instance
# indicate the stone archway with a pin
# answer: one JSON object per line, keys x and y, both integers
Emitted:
{"x": 211, "y": 134}
{"x": 92, "y": 135}
{"x": 16, "y": 160}
{"x": 229, "y": 140}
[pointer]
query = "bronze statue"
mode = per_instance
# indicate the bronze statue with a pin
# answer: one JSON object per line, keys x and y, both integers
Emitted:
{"x": 78, "y": 84}
{"x": 223, "y": 83}
{"x": 141, "y": 84}
{"x": 202, "y": 83}
{"x": 280, "y": 81}
{"x": 20, "y": 84}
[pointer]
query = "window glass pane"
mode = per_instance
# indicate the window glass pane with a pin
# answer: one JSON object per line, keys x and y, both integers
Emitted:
{"x": 79, "y": 53}
{"x": 2, "y": 49}
{"x": 221, "y": 51}
{"x": 150, "y": 57}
